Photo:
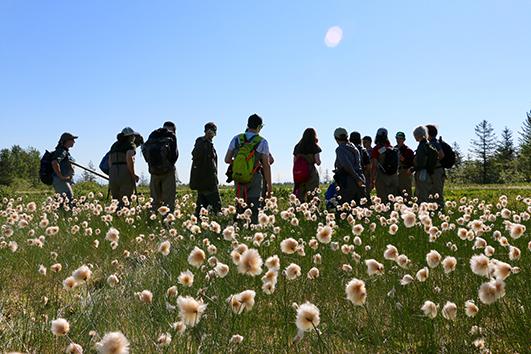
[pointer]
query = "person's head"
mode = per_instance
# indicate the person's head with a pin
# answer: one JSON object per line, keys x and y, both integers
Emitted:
{"x": 210, "y": 130}
{"x": 127, "y": 134}
{"x": 170, "y": 126}
{"x": 341, "y": 135}
{"x": 381, "y": 136}
{"x": 309, "y": 139}
{"x": 432, "y": 131}
{"x": 400, "y": 138}
{"x": 67, "y": 140}
{"x": 255, "y": 122}
{"x": 367, "y": 142}
{"x": 355, "y": 138}
{"x": 420, "y": 133}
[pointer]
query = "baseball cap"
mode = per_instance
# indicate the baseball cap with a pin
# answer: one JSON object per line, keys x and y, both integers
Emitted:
{"x": 67, "y": 136}
{"x": 340, "y": 133}
{"x": 400, "y": 135}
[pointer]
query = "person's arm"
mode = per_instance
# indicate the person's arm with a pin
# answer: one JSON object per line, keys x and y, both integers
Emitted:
{"x": 130, "y": 161}
{"x": 229, "y": 156}
{"x": 374, "y": 166}
{"x": 266, "y": 167}
{"x": 317, "y": 158}
{"x": 271, "y": 159}
{"x": 57, "y": 170}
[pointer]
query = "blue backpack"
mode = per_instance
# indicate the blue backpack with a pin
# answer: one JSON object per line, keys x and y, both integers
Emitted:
{"x": 104, "y": 164}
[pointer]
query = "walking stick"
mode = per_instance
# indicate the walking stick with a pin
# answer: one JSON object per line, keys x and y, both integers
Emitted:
{"x": 89, "y": 170}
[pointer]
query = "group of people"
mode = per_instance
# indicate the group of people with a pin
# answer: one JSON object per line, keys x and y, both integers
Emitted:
{"x": 360, "y": 166}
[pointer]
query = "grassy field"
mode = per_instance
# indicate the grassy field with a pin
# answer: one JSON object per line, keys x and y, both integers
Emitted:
{"x": 42, "y": 246}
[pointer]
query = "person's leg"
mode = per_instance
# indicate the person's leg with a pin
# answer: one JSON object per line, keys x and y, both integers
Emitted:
{"x": 155, "y": 190}
{"x": 214, "y": 201}
{"x": 437, "y": 186}
{"x": 254, "y": 192}
{"x": 200, "y": 203}
{"x": 169, "y": 188}
{"x": 63, "y": 188}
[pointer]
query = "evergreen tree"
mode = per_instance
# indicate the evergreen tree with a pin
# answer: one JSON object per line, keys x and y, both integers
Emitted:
{"x": 87, "y": 176}
{"x": 506, "y": 150}
{"x": 458, "y": 154}
{"x": 524, "y": 158}
{"x": 484, "y": 148}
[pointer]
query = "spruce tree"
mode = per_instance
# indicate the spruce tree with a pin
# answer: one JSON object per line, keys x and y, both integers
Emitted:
{"x": 484, "y": 148}
{"x": 524, "y": 158}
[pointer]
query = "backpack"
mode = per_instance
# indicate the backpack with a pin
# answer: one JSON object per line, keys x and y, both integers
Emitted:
{"x": 301, "y": 169}
{"x": 45, "y": 169}
{"x": 389, "y": 161}
{"x": 365, "y": 159}
{"x": 449, "y": 154}
{"x": 104, "y": 164}
{"x": 244, "y": 165}
{"x": 157, "y": 153}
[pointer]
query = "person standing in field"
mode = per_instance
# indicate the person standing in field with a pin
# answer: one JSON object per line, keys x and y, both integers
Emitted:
{"x": 406, "y": 156}
{"x": 204, "y": 173}
{"x": 63, "y": 171}
{"x": 424, "y": 164}
{"x": 248, "y": 153}
{"x": 439, "y": 174}
{"x": 161, "y": 154}
{"x": 348, "y": 173}
{"x": 122, "y": 176}
{"x": 365, "y": 158}
{"x": 367, "y": 144}
{"x": 384, "y": 166}
{"x": 306, "y": 155}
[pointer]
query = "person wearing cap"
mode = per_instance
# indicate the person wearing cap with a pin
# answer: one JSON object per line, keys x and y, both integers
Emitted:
{"x": 122, "y": 176}
{"x": 406, "y": 155}
{"x": 385, "y": 184}
{"x": 204, "y": 172}
{"x": 161, "y": 154}
{"x": 63, "y": 171}
{"x": 439, "y": 174}
{"x": 251, "y": 193}
{"x": 348, "y": 173}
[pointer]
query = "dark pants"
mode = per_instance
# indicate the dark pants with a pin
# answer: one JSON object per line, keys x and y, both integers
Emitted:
{"x": 251, "y": 194}
{"x": 208, "y": 200}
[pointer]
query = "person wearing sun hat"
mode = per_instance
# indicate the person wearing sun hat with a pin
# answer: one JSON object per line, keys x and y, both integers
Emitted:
{"x": 122, "y": 176}
{"x": 63, "y": 171}
{"x": 348, "y": 173}
{"x": 405, "y": 155}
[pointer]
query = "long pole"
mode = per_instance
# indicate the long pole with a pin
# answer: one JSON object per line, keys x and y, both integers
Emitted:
{"x": 89, "y": 170}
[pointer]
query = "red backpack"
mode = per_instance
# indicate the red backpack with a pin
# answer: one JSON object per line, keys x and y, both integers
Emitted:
{"x": 301, "y": 169}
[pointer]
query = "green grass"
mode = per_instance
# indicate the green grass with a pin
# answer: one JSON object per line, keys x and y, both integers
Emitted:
{"x": 391, "y": 320}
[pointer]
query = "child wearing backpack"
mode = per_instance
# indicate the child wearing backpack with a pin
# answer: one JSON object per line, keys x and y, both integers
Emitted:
{"x": 248, "y": 153}
{"x": 384, "y": 166}
{"x": 305, "y": 157}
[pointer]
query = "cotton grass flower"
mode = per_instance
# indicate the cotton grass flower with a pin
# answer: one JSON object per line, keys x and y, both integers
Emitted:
{"x": 186, "y": 278}
{"x": 69, "y": 283}
{"x": 423, "y": 274}
{"x": 236, "y": 339}
{"x": 430, "y": 309}
{"x": 410, "y": 219}
{"x": 221, "y": 270}
{"x": 197, "y": 257}
{"x": 60, "y": 327}
{"x": 406, "y": 280}
{"x": 145, "y": 296}
{"x": 273, "y": 263}
{"x": 164, "y": 340}
{"x": 250, "y": 263}
{"x": 479, "y": 264}
{"x": 449, "y": 311}
{"x": 292, "y": 272}
{"x": 289, "y": 246}
{"x": 517, "y": 230}
{"x": 391, "y": 253}
{"x": 307, "y": 317}
{"x": 164, "y": 248}
{"x": 324, "y": 234}
{"x": 113, "y": 343}
{"x": 190, "y": 310}
{"x": 433, "y": 259}
{"x": 313, "y": 273}
{"x": 113, "y": 280}
{"x": 471, "y": 310}
{"x": 501, "y": 269}
{"x": 113, "y": 235}
{"x": 74, "y": 348}
{"x": 374, "y": 267}
{"x": 356, "y": 292}
{"x": 82, "y": 274}
{"x": 403, "y": 261}
{"x": 449, "y": 264}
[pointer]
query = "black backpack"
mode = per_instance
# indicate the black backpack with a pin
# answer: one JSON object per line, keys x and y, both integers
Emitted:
{"x": 449, "y": 154}
{"x": 157, "y": 152}
{"x": 45, "y": 169}
{"x": 389, "y": 161}
{"x": 365, "y": 159}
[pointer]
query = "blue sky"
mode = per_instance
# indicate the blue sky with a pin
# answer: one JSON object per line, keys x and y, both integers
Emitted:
{"x": 93, "y": 67}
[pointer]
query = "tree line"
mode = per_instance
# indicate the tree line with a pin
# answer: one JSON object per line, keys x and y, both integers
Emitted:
{"x": 490, "y": 159}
